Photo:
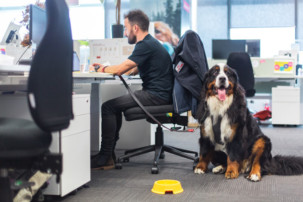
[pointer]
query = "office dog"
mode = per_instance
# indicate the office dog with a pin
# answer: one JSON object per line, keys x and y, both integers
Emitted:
{"x": 230, "y": 137}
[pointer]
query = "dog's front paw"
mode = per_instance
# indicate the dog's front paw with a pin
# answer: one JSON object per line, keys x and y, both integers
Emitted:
{"x": 201, "y": 168}
{"x": 199, "y": 171}
{"x": 219, "y": 169}
{"x": 254, "y": 177}
{"x": 231, "y": 174}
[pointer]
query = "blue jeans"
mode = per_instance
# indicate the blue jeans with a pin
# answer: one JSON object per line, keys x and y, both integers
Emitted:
{"x": 112, "y": 116}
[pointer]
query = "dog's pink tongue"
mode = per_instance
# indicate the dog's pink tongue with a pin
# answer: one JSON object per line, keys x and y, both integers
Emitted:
{"x": 222, "y": 94}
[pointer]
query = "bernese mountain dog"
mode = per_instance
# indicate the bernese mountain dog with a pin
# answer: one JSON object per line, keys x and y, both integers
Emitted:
{"x": 230, "y": 137}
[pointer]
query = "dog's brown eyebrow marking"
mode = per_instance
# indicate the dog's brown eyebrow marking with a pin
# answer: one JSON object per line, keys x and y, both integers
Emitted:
{"x": 217, "y": 67}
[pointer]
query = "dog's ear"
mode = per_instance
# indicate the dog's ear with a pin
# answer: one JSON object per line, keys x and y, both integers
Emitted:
{"x": 233, "y": 73}
{"x": 205, "y": 85}
{"x": 237, "y": 109}
{"x": 202, "y": 110}
{"x": 239, "y": 90}
{"x": 205, "y": 80}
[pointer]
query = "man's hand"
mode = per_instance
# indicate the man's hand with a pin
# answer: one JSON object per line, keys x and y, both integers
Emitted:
{"x": 120, "y": 69}
{"x": 96, "y": 67}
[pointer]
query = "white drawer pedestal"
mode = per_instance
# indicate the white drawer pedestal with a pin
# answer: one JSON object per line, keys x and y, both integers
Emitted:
{"x": 287, "y": 105}
{"x": 75, "y": 145}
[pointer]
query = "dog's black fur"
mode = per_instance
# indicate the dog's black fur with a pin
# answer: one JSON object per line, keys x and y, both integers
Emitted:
{"x": 244, "y": 148}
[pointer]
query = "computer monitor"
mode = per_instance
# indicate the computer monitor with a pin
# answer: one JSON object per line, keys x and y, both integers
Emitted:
{"x": 37, "y": 24}
{"x": 253, "y": 47}
{"x": 223, "y": 47}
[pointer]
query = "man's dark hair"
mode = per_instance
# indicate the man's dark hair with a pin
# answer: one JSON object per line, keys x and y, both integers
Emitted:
{"x": 138, "y": 17}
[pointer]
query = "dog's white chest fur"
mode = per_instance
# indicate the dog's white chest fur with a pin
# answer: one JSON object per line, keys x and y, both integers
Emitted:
{"x": 218, "y": 109}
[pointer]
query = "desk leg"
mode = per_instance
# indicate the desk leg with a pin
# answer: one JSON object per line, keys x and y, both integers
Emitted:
{"x": 95, "y": 117}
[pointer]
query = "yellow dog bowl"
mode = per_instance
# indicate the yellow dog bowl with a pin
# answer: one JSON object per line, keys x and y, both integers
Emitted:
{"x": 167, "y": 187}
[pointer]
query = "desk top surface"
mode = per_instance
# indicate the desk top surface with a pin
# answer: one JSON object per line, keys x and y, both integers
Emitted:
{"x": 13, "y": 69}
{"x": 6, "y": 69}
{"x": 92, "y": 75}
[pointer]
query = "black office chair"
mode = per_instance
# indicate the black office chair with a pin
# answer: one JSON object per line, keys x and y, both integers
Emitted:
{"x": 190, "y": 50}
{"x": 24, "y": 144}
{"x": 240, "y": 61}
{"x": 160, "y": 113}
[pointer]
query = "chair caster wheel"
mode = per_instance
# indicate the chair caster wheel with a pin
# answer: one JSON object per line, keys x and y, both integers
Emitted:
{"x": 155, "y": 170}
{"x": 125, "y": 160}
{"x": 162, "y": 156}
{"x": 118, "y": 166}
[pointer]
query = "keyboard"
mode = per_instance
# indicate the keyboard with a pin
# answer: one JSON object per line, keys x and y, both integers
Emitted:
{"x": 25, "y": 62}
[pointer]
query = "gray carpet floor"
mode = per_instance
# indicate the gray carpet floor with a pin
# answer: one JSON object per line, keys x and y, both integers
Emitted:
{"x": 135, "y": 181}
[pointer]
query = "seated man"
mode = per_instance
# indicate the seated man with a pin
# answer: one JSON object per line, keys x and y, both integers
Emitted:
{"x": 154, "y": 65}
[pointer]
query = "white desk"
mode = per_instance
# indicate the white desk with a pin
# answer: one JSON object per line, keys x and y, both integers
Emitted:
{"x": 110, "y": 88}
{"x": 130, "y": 132}
{"x": 75, "y": 140}
{"x": 14, "y": 78}
{"x": 133, "y": 134}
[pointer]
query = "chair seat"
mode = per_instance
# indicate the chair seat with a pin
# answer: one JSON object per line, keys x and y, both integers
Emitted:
{"x": 21, "y": 138}
{"x": 159, "y": 112}
{"x": 137, "y": 113}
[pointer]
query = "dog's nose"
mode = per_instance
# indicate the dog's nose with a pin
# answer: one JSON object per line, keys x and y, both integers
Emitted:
{"x": 222, "y": 79}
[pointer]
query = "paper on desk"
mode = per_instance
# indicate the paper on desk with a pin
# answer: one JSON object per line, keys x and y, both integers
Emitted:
{"x": 6, "y": 60}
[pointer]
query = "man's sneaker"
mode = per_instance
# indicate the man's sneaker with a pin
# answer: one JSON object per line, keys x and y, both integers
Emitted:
{"x": 102, "y": 162}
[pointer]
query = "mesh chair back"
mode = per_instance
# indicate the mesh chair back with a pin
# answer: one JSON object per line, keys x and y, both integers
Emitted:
{"x": 50, "y": 80}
